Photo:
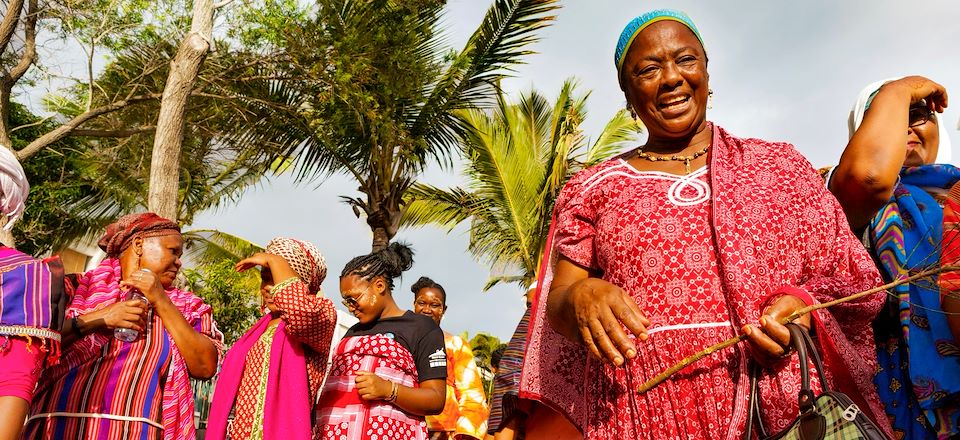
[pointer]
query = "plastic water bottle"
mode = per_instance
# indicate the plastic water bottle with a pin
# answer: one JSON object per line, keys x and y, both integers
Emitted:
{"x": 129, "y": 334}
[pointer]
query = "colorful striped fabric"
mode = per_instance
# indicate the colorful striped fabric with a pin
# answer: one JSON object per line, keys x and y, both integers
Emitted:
{"x": 506, "y": 384}
{"x": 32, "y": 290}
{"x": 108, "y": 389}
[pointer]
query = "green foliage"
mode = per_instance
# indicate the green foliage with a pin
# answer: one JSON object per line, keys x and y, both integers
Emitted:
{"x": 213, "y": 170}
{"x": 58, "y": 177}
{"x": 369, "y": 88}
{"x": 207, "y": 246}
{"x": 518, "y": 158}
{"x": 233, "y": 295}
{"x": 483, "y": 346}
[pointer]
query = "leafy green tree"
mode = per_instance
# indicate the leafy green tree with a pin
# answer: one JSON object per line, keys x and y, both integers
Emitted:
{"x": 483, "y": 346}
{"x": 373, "y": 92}
{"x": 233, "y": 295}
{"x": 518, "y": 158}
{"x": 58, "y": 178}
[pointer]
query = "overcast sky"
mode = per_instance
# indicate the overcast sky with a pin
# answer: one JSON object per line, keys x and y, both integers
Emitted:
{"x": 785, "y": 71}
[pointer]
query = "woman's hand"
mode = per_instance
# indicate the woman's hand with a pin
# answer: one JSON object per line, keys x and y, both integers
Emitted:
{"x": 919, "y": 88}
{"x": 600, "y": 311}
{"x": 261, "y": 259}
{"x": 372, "y": 387}
{"x": 147, "y": 283}
{"x": 125, "y": 314}
{"x": 278, "y": 267}
{"x": 770, "y": 342}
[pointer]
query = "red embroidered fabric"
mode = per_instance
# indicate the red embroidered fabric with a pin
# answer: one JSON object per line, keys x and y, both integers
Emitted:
{"x": 769, "y": 223}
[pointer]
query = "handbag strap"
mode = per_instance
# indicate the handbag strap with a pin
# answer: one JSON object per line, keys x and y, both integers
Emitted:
{"x": 753, "y": 414}
{"x": 807, "y": 352}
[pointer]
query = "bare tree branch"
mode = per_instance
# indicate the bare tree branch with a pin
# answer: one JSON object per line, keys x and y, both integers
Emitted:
{"x": 67, "y": 128}
{"x": 32, "y": 124}
{"x": 92, "y": 132}
{"x": 30, "y": 46}
{"x": 9, "y": 24}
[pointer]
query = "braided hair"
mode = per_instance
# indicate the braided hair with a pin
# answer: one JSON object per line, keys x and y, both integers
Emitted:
{"x": 388, "y": 263}
{"x": 427, "y": 283}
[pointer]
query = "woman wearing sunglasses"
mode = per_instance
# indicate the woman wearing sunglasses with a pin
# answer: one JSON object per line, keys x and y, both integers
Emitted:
{"x": 390, "y": 368}
{"x": 900, "y": 194}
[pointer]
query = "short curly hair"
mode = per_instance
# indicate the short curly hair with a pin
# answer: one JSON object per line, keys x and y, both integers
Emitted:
{"x": 427, "y": 283}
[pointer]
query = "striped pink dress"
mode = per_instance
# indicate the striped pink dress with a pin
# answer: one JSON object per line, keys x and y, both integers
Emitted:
{"x": 108, "y": 389}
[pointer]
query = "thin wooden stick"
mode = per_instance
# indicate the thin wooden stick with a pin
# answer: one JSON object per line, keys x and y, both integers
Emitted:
{"x": 658, "y": 379}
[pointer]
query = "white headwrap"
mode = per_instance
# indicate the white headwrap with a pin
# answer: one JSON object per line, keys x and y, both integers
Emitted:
{"x": 13, "y": 187}
{"x": 944, "y": 154}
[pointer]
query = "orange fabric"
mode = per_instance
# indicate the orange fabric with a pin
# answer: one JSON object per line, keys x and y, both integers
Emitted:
{"x": 465, "y": 412}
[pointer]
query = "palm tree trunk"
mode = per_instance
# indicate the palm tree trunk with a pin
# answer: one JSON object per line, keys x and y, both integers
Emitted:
{"x": 380, "y": 239}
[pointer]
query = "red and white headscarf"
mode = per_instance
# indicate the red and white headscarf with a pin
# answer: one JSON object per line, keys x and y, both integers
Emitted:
{"x": 304, "y": 258}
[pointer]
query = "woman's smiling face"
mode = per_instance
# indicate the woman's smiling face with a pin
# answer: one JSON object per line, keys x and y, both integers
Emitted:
{"x": 665, "y": 80}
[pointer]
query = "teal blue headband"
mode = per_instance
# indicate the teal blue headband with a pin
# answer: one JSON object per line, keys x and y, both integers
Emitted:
{"x": 640, "y": 23}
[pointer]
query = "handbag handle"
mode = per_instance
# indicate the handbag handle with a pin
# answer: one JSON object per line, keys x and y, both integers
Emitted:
{"x": 806, "y": 352}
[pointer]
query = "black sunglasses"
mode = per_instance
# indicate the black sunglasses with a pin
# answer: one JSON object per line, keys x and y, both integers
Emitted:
{"x": 919, "y": 116}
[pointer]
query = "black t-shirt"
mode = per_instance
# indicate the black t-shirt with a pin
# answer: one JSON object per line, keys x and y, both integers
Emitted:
{"x": 419, "y": 335}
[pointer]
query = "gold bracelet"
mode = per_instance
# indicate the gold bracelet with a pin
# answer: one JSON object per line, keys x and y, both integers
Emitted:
{"x": 394, "y": 391}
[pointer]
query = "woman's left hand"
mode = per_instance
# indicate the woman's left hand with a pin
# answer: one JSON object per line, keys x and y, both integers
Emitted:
{"x": 770, "y": 341}
{"x": 147, "y": 283}
{"x": 372, "y": 387}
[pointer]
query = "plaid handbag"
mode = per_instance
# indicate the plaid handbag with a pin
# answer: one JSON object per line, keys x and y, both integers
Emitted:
{"x": 831, "y": 415}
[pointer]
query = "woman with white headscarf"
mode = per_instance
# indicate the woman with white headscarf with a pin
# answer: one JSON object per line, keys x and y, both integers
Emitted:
{"x": 31, "y": 308}
{"x": 900, "y": 193}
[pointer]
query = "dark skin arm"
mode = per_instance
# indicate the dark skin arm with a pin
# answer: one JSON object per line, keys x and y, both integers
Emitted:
{"x": 867, "y": 173}
{"x": 278, "y": 266}
{"x": 197, "y": 349}
{"x": 951, "y": 305}
{"x": 427, "y": 400}
{"x": 126, "y": 314}
{"x": 593, "y": 312}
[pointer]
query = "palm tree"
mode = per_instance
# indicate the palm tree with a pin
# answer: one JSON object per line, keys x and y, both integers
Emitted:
{"x": 518, "y": 158}
{"x": 375, "y": 92}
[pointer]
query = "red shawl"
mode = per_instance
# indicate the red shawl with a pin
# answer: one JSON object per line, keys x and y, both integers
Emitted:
{"x": 776, "y": 228}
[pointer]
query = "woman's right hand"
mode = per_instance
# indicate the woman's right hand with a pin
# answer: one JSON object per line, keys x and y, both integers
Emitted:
{"x": 920, "y": 88}
{"x": 595, "y": 312}
{"x": 125, "y": 314}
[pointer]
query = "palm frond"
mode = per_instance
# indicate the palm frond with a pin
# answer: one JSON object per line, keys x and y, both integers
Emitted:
{"x": 493, "y": 281}
{"x": 620, "y": 132}
{"x": 429, "y": 205}
{"x": 208, "y": 246}
{"x": 472, "y": 77}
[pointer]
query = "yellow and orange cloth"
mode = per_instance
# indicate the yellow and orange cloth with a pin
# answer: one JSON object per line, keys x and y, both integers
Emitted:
{"x": 465, "y": 413}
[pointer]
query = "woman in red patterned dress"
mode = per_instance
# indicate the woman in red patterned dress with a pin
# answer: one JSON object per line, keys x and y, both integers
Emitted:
{"x": 692, "y": 238}
{"x": 273, "y": 373}
{"x": 390, "y": 368}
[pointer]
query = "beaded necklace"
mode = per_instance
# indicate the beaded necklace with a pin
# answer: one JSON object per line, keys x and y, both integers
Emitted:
{"x": 675, "y": 158}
